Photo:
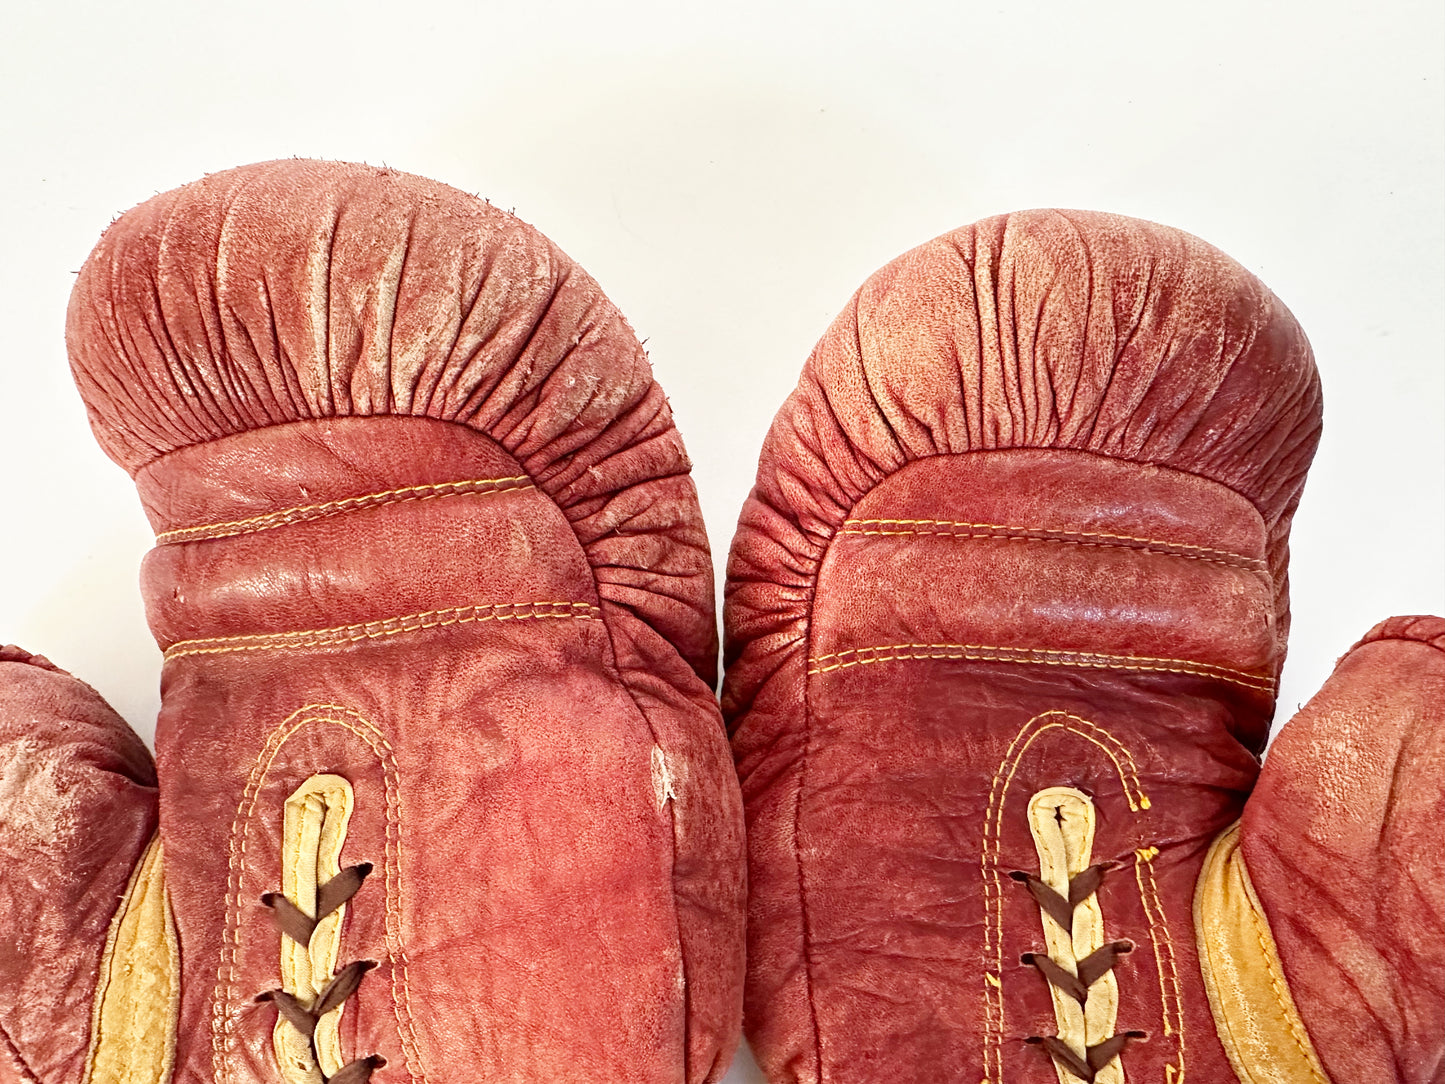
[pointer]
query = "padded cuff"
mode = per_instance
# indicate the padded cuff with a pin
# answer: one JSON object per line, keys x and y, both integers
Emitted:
{"x": 1040, "y": 329}
{"x": 1423, "y": 629}
{"x": 297, "y": 289}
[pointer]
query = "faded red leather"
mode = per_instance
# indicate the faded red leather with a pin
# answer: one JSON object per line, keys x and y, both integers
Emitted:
{"x": 77, "y": 808}
{"x": 1342, "y": 838}
{"x": 1023, "y": 524}
{"x": 373, "y": 412}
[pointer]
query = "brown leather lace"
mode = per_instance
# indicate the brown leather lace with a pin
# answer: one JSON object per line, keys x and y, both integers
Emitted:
{"x": 296, "y": 924}
{"x": 1088, "y": 971}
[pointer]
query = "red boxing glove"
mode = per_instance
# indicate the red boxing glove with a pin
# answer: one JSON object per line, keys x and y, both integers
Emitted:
{"x": 443, "y": 790}
{"x": 1006, "y": 611}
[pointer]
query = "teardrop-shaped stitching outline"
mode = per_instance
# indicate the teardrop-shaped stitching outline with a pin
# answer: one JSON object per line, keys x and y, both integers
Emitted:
{"x": 1163, "y": 943}
{"x": 223, "y": 1018}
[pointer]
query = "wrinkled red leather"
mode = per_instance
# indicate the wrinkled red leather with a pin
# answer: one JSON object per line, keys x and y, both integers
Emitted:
{"x": 1120, "y": 418}
{"x": 544, "y": 905}
{"x": 77, "y": 808}
{"x": 1342, "y": 839}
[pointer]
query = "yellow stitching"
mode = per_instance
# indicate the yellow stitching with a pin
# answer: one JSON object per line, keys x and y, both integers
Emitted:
{"x": 1173, "y": 969}
{"x": 1291, "y": 1016}
{"x": 1031, "y": 650}
{"x": 373, "y": 630}
{"x": 1143, "y": 862}
{"x": 388, "y": 621}
{"x": 1135, "y": 804}
{"x": 1139, "y": 861}
{"x": 303, "y": 513}
{"x": 405, "y": 1017}
{"x": 1254, "y": 562}
{"x": 394, "y": 913}
{"x": 1169, "y": 947}
{"x": 988, "y": 863}
{"x": 222, "y": 1028}
{"x": 992, "y": 904}
{"x": 1084, "y": 659}
{"x": 1247, "y": 564}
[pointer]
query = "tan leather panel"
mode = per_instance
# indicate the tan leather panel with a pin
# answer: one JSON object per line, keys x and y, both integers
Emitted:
{"x": 137, "y": 1001}
{"x": 1257, "y": 1020}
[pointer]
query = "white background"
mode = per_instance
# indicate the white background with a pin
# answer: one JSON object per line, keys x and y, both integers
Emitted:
{"x": 730, "y": 173}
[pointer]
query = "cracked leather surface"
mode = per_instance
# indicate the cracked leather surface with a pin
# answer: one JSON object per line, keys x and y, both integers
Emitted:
{"x": 424, "y": 522}
{"x": 1024, "y": 524}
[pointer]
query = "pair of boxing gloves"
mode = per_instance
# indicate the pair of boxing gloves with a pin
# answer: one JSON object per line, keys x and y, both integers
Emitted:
{"x": 442, "y": 792}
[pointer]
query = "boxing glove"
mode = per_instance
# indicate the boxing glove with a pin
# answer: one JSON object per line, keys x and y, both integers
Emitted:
{"x": 1005, "y": 616}
{"x": 441, "y": 789}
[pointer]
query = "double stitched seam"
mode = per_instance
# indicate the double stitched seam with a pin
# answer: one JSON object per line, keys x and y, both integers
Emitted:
{"x": 1039, "y": 656}
{"x": 391, "y": 626}
{"x": 1286, "y": 1008}
{"x": 958, "y": 529}
{"x": 223, "y": 1017}
{"x": 302, "y": 513}
{"x": 1163, "y": 953}
{"x": 1127, "y": 773}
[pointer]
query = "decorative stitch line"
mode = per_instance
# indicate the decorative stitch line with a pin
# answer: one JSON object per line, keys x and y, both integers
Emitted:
{"x": 304, "y": 512}
{"x": 992, "y": 653}
{"x": 1044, "y": 534}
{"x": 223, "y": 1025}
{"x": 1144, "y": 863}
{"x": 993, "y": 890}
{"x": 391, "y": 626}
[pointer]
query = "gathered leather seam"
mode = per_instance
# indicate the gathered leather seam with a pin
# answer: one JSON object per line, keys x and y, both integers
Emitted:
{"x": 1047, "y": 534}
{"x": 391, "y": 626}
{"x": 994, "y": 653}
{"x": 306, "y": 512}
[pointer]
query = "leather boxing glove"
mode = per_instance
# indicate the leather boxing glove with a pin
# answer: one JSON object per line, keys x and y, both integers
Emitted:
{"x": 443, "y": 792}
{"x": 1005, "y": 615}
{"x": 77, "y": 819}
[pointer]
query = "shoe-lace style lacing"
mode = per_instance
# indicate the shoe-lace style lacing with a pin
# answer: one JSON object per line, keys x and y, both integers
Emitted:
{"x": 296, "y": 924}
{"x": 1086, "y": 973}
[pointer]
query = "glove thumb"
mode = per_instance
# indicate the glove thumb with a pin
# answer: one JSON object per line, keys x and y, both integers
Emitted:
{"x": 87, "y": 976}
{"x": 1323, "y": 935}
